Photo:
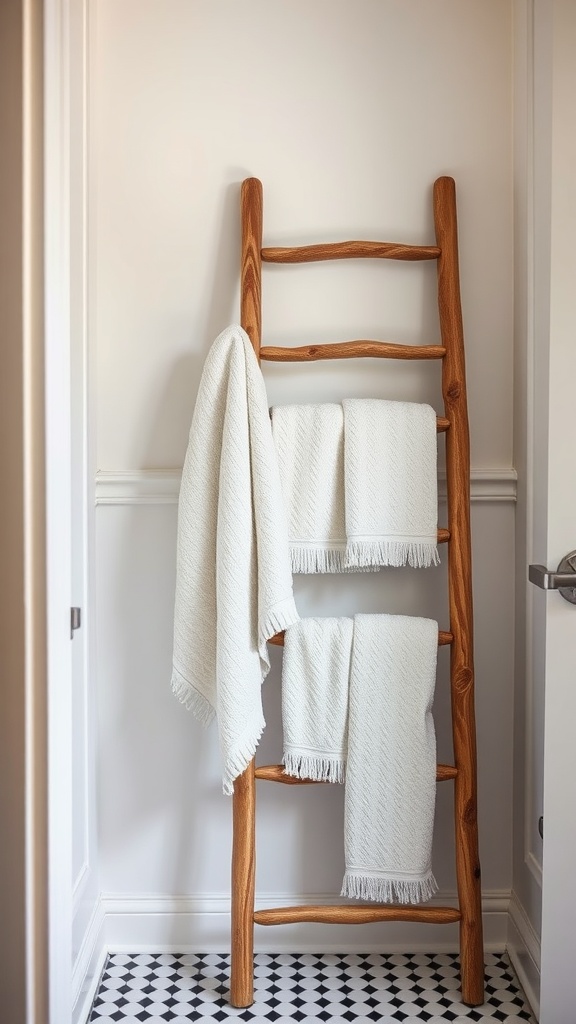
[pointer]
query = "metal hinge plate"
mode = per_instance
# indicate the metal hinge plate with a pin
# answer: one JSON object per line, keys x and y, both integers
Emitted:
{"x": 75, "y": 620}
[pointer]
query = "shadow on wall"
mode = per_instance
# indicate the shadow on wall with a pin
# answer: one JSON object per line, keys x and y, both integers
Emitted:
{"x": 169, "y": 425}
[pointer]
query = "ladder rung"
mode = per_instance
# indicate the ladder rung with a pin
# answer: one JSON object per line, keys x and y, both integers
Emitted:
{"x": 275, "y": 773}
{"x": 349, "y": 250}
{"x": 444, "y": 639}
{"x": 356, "y": 915}
{"x": 351, "y": 350}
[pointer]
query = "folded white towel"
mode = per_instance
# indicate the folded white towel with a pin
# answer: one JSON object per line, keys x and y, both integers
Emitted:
{"x": 233, "y": 578}
{"x": 391, "y": 490}
{"x": 315, "y": 671}
{"x": 359, "y": 483}
{"x": 309, "y": 440}
{"x": 391, "y": 766}
{"x": 377, "y": 730}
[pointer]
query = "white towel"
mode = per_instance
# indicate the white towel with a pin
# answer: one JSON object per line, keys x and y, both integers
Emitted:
{"x": 391, "y": 490}
{"x": 359, "y": 483}
{"x": 309, "y": 440}
{"x": 378, "y": 731}
{"x": 233, "y": 578}
{"x": 315, "y": 671}
{"x": 391, "y": 766}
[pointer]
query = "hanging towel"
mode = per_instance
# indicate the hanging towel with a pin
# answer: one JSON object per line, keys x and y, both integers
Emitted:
{"x": 391, "y": 490}
{"x": 309, "y": 440}
{"x": 233, "y": 578}
{"x": 391, "y": 765}
{"x": 359, "y": 483}
{"x": 315, "y": 671}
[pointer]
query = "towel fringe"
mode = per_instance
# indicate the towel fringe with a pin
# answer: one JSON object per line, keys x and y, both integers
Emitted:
{"x": 278, "y": 618}
{"x": 191, "y": 698}
{"x": 240, "y": 759}
{"x": 312, "y": 560}
{"x": 317, "y": 768}
{"x": 323, "y": 560}
{"x": 389, "y": 890}
{"x": 418, "y": 554}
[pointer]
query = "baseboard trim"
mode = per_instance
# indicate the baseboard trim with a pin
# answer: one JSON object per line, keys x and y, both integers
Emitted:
{"x": 143, "y": 923}
{"x": 523, "y": 947}
{"x": 88, "y": 966}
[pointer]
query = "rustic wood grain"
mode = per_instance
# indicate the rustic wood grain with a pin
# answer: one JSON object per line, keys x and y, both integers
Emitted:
{"x": 251, "y": 263}
{"x": 243, "y": 869}
{"x": 444, "y": 639}
{"x": 460, "y": 594}
{"x": 275, "y": 773}
{"x": 244, "y": 798}
{"x": 355, "y": 915}
{"x": 455, "y": 424}
{"x": 347, "y": 251}
{"x": 350, "y": 350}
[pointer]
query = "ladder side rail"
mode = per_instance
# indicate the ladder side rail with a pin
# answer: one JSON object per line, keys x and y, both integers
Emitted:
{"x": 244, "y": 798}
{"x": 460, "y": 595}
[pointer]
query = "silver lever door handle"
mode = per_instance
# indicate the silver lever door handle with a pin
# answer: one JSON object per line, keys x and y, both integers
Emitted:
{"x": 563, "y": 580}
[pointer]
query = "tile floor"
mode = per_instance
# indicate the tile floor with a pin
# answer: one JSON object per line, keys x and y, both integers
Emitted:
{"x": 306, "y": 988}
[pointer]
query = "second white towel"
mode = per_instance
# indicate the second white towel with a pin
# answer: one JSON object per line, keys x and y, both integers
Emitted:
{"x": 391, "y": 487}
{"x": 391, "y": 766}
{"x": 356, "y": 702}
{"x": 316, "y": 668}
{"x": 359, "y": 482}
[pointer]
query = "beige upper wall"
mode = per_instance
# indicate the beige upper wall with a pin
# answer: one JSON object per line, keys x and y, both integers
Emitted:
{"x": 347, "y": 112}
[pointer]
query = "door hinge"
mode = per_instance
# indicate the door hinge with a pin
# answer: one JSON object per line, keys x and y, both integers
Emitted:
{"x": 75, "y": 620}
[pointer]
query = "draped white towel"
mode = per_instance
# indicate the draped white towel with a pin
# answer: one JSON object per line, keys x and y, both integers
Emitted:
{"x": 391, "y": 488}
{"x": 391, "y": 767}
{"x": 233, "y": 576}
{"x": 315, "y": 671}
{"x": 359, "y": 483}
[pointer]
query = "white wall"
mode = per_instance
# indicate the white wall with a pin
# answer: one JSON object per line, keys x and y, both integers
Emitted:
{"x": 347, "y": 113}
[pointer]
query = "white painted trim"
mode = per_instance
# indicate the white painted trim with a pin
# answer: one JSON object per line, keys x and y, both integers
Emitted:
{"x": 534, "y": 866}
{"x": 164, "y": 923}
{"x": 138, "y": 487}
{"x": 88, "y": 966}
{"x": 161, "y": 487}
{"x": 523, "y": 947}
{"x": 528, "y": 556}
{"x": 58, "y": 500}
{"x": 80, "y": 883}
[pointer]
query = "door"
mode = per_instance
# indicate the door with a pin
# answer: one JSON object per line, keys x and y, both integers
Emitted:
{"x": 555, "y": 507}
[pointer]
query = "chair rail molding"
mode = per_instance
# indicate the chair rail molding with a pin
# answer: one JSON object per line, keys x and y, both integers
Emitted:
{"x": 161, "y": 487}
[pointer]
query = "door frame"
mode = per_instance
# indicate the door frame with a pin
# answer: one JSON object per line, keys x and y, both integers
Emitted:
{"x": 57, "y": 272}
{"x": 57, "y": 122}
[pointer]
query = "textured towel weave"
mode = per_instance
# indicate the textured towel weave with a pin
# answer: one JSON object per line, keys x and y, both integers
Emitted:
{"x": 233, "y": 578}
{"x": 309, "y": 440}
{"x": 359, "y": 484}
{"x": 391, "y": 490}
{"x": 391, "y": 766}
{"x": 315, "y": 671}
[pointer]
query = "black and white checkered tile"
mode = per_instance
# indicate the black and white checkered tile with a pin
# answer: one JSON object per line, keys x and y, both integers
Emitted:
{"x": 307, "y": 988}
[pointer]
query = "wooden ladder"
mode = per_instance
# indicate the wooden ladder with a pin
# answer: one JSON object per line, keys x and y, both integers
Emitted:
{"x": 457, "y": 536}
